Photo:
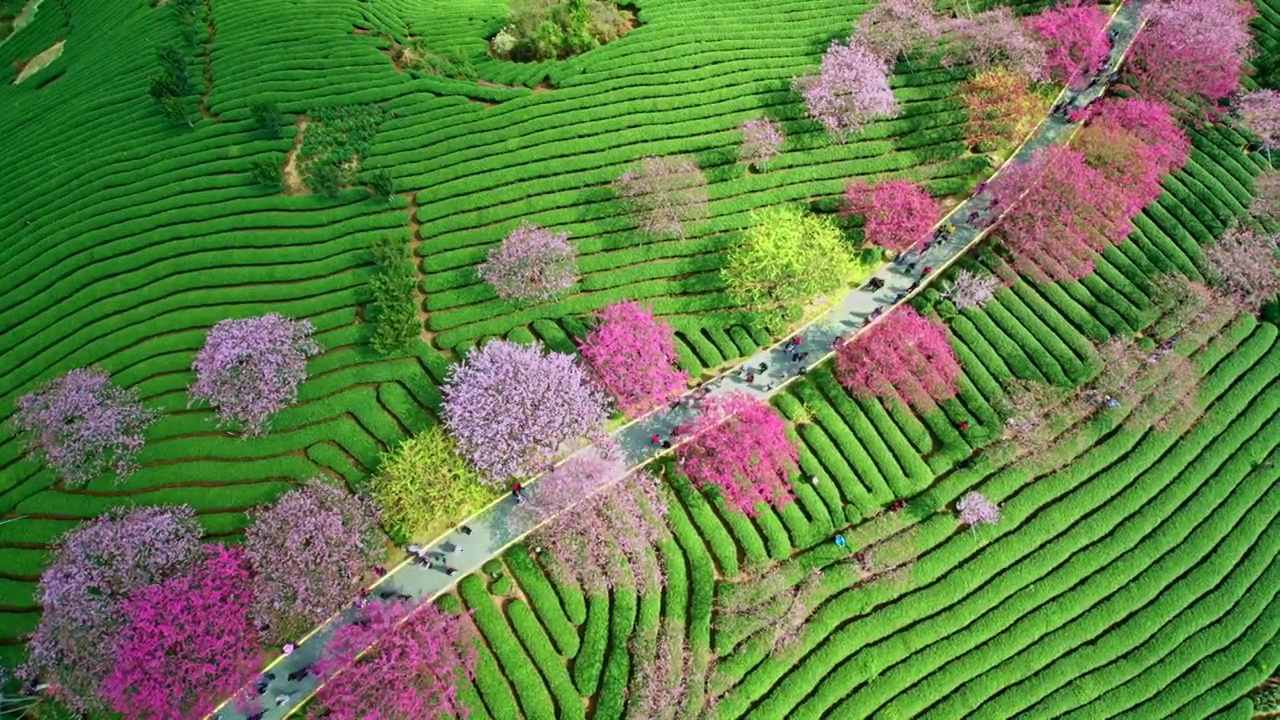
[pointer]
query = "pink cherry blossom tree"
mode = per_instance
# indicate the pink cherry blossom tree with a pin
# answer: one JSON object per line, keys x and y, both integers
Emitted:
{"x": 1152, "y": 122}
{"x": 95, "y": 567}
{"x": 1260, "y": 114}
{"x": 968, "y": 289}
{"x": 761, "y": 142}
{"x": 599, "y": 523}
{"x": 893, "y": 28}
{"x": 850, "y": 90}
{"x": 188, "y": 642}
{"x": 975, "y": 508}
{"x": 899, "y": 214}
{"x": 1059, "y": 213}
{"x": 512, "y": 408}
{"x": 633, "y": 357}
{"x": 1266, "y": 196}
{"x": 664, "y": 194}
{"x": 740, "y": 447}
{"x": 994, "y": 39}
{"x": 81, "y": 425}
{"x": 308, "y": 551}
{"x": 250, "y": 368}
{"x": 532, "y": 264}
{"x": 417, "y": 655}
{"x": 1190, "y": 50}
{"x": 1074, "y": 34}
{"x": 904, "y": 355}
{"x": 1244, "y": 266}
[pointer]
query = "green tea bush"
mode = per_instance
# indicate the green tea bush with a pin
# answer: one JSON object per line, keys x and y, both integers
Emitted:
{"x": 394, "y": 308}
{"x": 268, "y": 170}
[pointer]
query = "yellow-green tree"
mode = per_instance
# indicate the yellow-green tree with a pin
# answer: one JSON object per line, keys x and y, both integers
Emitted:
{"x": 424, "y": 487}
{"x": 786, "y": 259}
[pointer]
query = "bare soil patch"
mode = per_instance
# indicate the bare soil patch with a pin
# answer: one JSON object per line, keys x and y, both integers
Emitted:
{"x": 40, "y": 61}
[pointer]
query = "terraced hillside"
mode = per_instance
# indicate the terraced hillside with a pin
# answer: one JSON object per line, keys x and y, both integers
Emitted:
{"x": 125, "y": 244}
{"x": 1131, "y": 573}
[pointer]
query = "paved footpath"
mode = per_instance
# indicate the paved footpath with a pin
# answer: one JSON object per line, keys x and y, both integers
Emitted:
{"x": 496, "y": 527}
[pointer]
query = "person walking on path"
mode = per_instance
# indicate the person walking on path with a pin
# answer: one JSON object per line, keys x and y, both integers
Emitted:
{"x": 655, "y": 439}
{"x": 517, "y": 491}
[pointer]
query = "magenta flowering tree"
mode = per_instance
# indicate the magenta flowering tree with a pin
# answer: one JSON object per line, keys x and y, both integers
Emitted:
{"x": 1243, "y": 265}
{"x": 188, "y": 642}
{"x": 740, "y": 447}
{"x": 81, "y": 425}
{"x": 1074, "y": 34}
{"x": 1134, "y": 143}
{"x": 904, "y": 355}
{"x": 1190, "y": 50}
{"x": 899, "y": 214}
{"x": 633, "y": 357}
{"x": 511, "y": 408}
{"x": 664, "y": 194}
{"x": 975, "y": 508}
{"x": 417, "y": 655}
{"x": 1059, "y": 213}
{"x": 1152, "y": 122}
{"x": 250, "y": 368}
{"x": 850, "y": 90}
{"x": 95, "y": 567}
{"x": 1260, "y": 113}
{"x": 532, "y": 264}
{"x": 994, "y": 39}
{"x": 599, "y": 523}
{"x": 761, "y": 142}
{"x": 894, "y": 28}
{"x": 308, "y": 551}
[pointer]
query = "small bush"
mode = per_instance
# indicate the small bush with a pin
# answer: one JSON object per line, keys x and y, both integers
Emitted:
{"x": 268, "y": 118}
{"x": 394, "y": 308}
{"x": 326, "y": 179}
{"x": 269, "y": 170}
{"x": 382, "y": 185}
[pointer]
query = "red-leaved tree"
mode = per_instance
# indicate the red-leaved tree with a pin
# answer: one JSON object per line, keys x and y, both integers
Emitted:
{"x": 1059, "y": 213}
{"x": 188, "y": 642}
{"x": 416, "y": 657}
{"x": 632, "y": 355}
{"x": 740, "y": 447}
{"x": 1001, "y": 108}
{"x": 308, "y": 551}
{"x": 1074, "y": 34}
{"x": 904, "y": 355}
{"x": 95, "y": 567}
{"x": 1190, "y": 51}
{"x": 899, "y": 214}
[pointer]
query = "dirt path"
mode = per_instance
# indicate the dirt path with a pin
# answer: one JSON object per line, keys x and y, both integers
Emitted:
{"x": 293, "y": 184}
{"x": 40, "y": 61}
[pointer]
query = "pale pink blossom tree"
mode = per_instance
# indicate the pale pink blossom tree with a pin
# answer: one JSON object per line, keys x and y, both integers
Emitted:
{"x": 904, "y": 355}
{"x": 532, "y": 264}
{"x": 81, "y": 426}
{"x": 188, "y": 642}
{"x": 1191, "y": 50}
{"x": 1266, "y": 196}
{"x": 1260, "y": 113}
{"x": 994, "y": 39}
{"x": 850, "y": 90}
{"x": 633, "y": 357}
{"x": 899, "y": 214}
{"x": 1059, "y": 212}
{"x": 968, "y": 289}
{"x": 250, "y": 368}
{"x": 893, "y": 28}
{"x": 664, "y": 194}
{"x": 974, "y": 508}
{"x": 95, "y": 567}
{"x": 1074, "y": 34}
{"x": 740, "y": 447}
{"x": 512, "y": 408}
{"x": 416, "y": 656}
{"x": 599, "y": 523}
{"x": 761, "y": 142}
{"x": 1244, "y": 266}
{"x": 308, "y": 551}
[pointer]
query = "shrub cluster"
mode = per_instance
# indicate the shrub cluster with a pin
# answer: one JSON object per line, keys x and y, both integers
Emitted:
{"x": 393, "y": 310}
{"x": 548, "y": 29}
{"x": 334, "y": 144}
{"x": 171, "y": 86}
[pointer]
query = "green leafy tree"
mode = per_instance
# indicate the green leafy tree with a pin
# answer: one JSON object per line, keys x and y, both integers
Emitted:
{"x": 269, "y": 170}
{"x": 177, "y": 111}
{"x": 424, "y": 486}
{"x": 786, "y": 258}
{"x": 326, "y": 178}
{"x": 382, "y": 184}
{"x": 268, "y": 118}
{"x": 394, "y": 308}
